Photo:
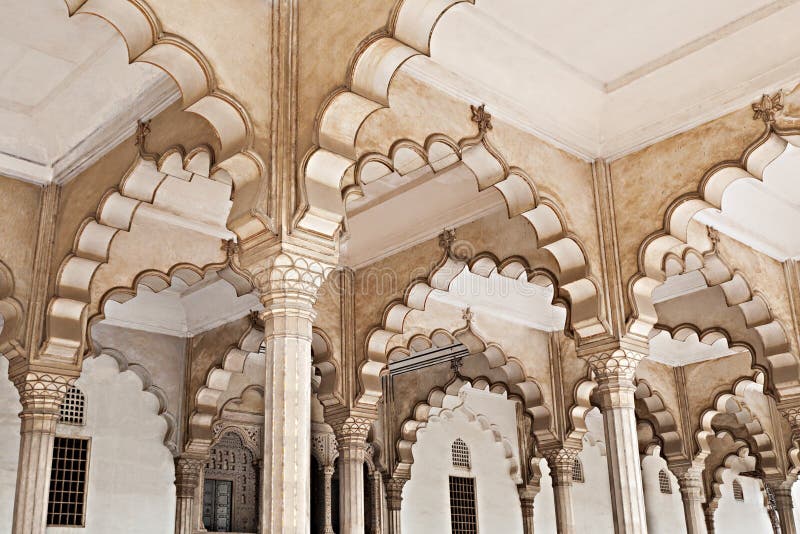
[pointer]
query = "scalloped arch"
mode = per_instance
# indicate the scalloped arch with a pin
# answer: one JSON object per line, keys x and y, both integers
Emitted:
{"x": 432, "y": 411}
{"x": 11, "y": 312}
{"x": 149, "y": 387}
{"x": 733, "y": 403}
{"x": 684, "y": 245}
{"x": 650, "y": 407}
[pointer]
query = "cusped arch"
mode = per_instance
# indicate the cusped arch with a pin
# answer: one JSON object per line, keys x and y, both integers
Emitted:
{"x": 650, "y": 407}
{"x": 732, "y": 403}
{"x": 434, "y": 410}
{"x": 685, "y": 245}
{"x": 148, "y": 386}
{"x": 149, "y": 189}
{"x": 11, "y": 313}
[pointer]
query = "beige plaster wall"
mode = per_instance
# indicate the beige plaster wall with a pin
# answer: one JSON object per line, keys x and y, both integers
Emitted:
{"x": 19, "y": 220}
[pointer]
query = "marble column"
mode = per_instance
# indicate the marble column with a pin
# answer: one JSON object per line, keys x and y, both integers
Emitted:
{"x": 377, "y": 499}
{"x": 287, "y": 286}
{"x": 188, "y": 470}
{"x": 785, "y": 507}
{"x": 327, "y": 474}
{"x": 614, "y": 372}
{"x": 527, "y": 494}
{"x": 561, "y": 462}
{"x": 351, "y": 436}
{"x": 708, "y": 511}
{"x": 41, "y": 395}
{"x": 691, "y": 485}
{"x": 394, "y": 502}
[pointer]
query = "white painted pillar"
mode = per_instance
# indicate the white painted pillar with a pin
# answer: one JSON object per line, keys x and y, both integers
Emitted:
{"x": 561, "y": 462}
{"x": 41, "y": 395}
{"x": 394, "y": 502}
{"x": 527, "y": 495}
{"x": 188, "y": 471}
{"x": 614, "y": 372}
{"x": 690, "y": 481}
{"x": 288, "y": 286}
{"x": 351, "y": 437}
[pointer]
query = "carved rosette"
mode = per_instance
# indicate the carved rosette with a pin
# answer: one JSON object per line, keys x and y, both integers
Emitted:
{"x": 187, "y": 475}
{"x": 561, "y": 462}
{"x": 394, "y": 492}
{"x": 42, "y": 393}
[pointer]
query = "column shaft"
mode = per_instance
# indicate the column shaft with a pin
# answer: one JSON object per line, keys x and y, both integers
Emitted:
{"x": 561, "y": 462}
{"x": 615, "y": 389}
{"x": 351, "y": 435}
{"x": 327, "y": 473}
{"x": 187, "y": 478}
{"x": 394, "y": 501}
{"x": 527, "y": 495}
{"x": 41, "y": 396}
{"x": 783, "y": 502}
{"x": 691, "y": 485}
{"x": 708, "y": 512}
{"x": 288, "y": 288}
{"x": 377, "y": 497}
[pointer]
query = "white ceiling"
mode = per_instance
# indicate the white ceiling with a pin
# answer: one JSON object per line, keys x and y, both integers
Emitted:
{"x": 605, "y": 78}
{"x": 67, "y": 92}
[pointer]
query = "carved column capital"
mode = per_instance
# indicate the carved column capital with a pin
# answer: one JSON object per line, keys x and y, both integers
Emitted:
{"x": 187, "y": 474}
{"x": 323, "y": 447}
{"x": 561, "y": 462}
{"x": 790, "y": 410}
{"x": 290, "y": 275}
{"x": 690, "y": 482}
{"x": 527, "y": 495}
{"x": 615, "y": 364}
{"x": 42, "y": 391}
{"x": 394, "y": 492}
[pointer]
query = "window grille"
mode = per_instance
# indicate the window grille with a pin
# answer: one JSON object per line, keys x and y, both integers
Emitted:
{"x": 664, "y": 483}
{"x": 460, "y": 453}
{"x": 67, "y": 499}
{"x": 74, "y": 407}
{"x": 577, "y": 471}
{"x": 463, "y": 519}
{"x": 738, "y": 492}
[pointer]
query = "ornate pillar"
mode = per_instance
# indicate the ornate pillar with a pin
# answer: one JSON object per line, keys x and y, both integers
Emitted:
{"x": 327, "y": 474}
{"x": 561, "y": 462}
{"x": 527, "y": 494}
{"x": 351, "y": 435}
{"x": 784, "y": 506}
{"x": 614, "y": 372}
{"x": 287, "y": 286}
{"x": 188, "y": 470}
{"x": 690, "y": 481}
{"x": 41, "y": 395}
{"x": 377, "y": 499}
{"x": 394, "y": 501}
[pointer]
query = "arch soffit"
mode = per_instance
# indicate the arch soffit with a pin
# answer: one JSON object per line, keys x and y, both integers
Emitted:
{"x": 147, "y": 42}
{"x": 684, "y": 245}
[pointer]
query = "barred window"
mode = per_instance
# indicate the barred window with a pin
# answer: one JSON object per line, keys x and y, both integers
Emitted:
{"x": 73, "y": 408}
{"x": 664, "y": 483}
{"x": 463, "y": 519}
{"x": 738, "y": 492}
{"x": 460, "y": 453}
{"x": 577, "y": 471}
{"x": 67, "y": 500}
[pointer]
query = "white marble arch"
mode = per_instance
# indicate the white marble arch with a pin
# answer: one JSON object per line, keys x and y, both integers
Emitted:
{"x": 9, "y": 445}
{"x": 130, "y": 469}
